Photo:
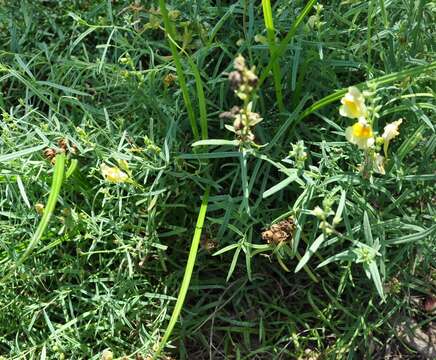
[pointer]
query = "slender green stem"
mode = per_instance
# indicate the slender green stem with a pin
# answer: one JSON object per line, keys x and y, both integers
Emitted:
{"x": 201, "y": 99}
{"x": 284, "y": 43}
{"x": 188, "y": 273}
{"x": 58, "y": 177}
{"x": 384, "y": 14}
{"x": 180, "y": 73}
{"x": 269, "y": 24}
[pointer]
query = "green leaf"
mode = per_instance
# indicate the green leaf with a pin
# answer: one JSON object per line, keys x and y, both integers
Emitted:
{"x": 281, "y": 185}
{"x": 309, "y": 252}
{"x": 188, "y": 273}
{"x": 344, "y": 255}
{"x": 20, "y": 153}
{"x": 216, "y": 142}
{"x": 213, "y": 155}
{"x": 375, "y": 275}
{"x": 58, "y": 177}
{"x": 367, "y": 229}
{"x": 421, "y": 235}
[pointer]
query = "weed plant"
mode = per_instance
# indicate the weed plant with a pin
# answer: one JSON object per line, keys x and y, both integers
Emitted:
{"x": 134, "y": 223}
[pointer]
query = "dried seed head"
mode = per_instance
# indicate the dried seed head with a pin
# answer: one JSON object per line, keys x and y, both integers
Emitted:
{"x": 63, "y": 145}
{"x": 169, "y": 79}
{"x": 430, "y": 304}
{"x": 208, "y": 244}
{"x": 279, "y": 233}
{"x": 49, "y": 153}
{"x": 226, "y": 115}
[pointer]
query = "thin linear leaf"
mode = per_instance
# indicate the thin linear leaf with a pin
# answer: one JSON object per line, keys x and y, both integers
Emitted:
{"x": 58, "y": 177}
{"x": 367, "y": 229}
{"x": 281, "y": 185}
{"x": 375, "y": 275}
{"x": 216, "y": 142}
{"x": 421, "y": 235}
{"x": 20, "y": 153}
{"x": 188, "y": 273}
{"x": 309, "y": 252}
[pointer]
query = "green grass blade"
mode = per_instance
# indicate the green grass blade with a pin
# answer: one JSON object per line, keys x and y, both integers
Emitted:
{"x": 375, "y": 275}
{"x": 179, "y": 68}
{"x": 201, "y": 99}
{"x": 284, "y": 43}
{"x": 58, "y": 176}
{"x": 188, "y": 273}
{"x": 269, "y": 24}
{"x": 20, "y": 153}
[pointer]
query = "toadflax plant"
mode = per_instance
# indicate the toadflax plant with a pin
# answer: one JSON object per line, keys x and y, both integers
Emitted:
{"x": 362, "y": 134}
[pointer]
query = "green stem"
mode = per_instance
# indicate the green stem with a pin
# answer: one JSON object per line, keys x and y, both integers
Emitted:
{"x": 188, "y": 273}
{"x": 284, "y": 43}
{"x": 58, "y": 177}
{"x": 180, "y": 74}
{"x": 269, "y": 24}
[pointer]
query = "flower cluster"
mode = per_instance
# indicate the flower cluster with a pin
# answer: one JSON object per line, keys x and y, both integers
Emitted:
{"x": 243, "y": 81}
{"x": 113, "y": 174}
{"x": 362, "y": 134}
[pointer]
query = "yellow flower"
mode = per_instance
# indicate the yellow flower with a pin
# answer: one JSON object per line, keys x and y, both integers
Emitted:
{"x": 113, "y": 174}
{"x": 391, "y": 131}
{"x": 360, "y": 134}
{"x": 107, "y": 355}
{"x": 353, "y": 104}
{"x": 39, "y": 208}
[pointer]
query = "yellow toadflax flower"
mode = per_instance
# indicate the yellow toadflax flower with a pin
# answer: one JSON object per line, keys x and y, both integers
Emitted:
{"x": 391, "y": 131}
{"x": 107, "y": 355}
{"x": 360, "y": 134}
{"x": 353, "y": 104}
{"x": 113, "y": 174}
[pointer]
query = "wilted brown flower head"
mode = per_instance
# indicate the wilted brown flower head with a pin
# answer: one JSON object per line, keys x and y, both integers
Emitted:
{"x": 430, "y": 304}
{"x": 49, "y": 153}
{"x": 279, "y": 233}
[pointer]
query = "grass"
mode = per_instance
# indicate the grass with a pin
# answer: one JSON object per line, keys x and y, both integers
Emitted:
{"x": 140, "y": 267}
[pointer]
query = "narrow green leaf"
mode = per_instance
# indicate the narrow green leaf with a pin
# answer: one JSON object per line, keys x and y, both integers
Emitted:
{"x": 344, "y": 255}
{"x": 188, "y": 273}
{"x": 58, "y": 177}
{"x": 421, "y": 235}
{"x": 281, "y": 185}
{"x": 269, "y": 24}
{"x": 216, "y": 142}
{"x": 367, "y": 229}
{"x": 180, "y": 72}
{"x": 281, "y": 48}
{"x": 20, "y": 153}
{"x": 375, "y": 275}
{"x": 309, "y": 252}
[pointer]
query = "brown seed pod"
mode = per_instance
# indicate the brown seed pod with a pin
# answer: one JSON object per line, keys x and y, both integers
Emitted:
{"x": 280, "y": 232}
{"x": 430, "y": 304}
{"x": 208, "y": 244}
{"x": 65, "y": 146}
{"x": 49, "y": 153}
